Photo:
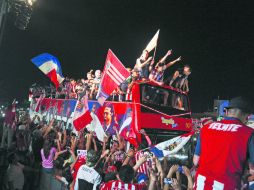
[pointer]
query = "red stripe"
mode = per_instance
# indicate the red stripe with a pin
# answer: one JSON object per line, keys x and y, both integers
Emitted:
{"x": 53, "y": 77}
{"x": 82, "y": 121}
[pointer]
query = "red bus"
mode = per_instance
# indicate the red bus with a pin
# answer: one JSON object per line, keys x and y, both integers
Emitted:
{"x": 163, "y": 111}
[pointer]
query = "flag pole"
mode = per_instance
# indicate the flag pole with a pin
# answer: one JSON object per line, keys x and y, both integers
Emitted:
{"x": 154, "y": 52}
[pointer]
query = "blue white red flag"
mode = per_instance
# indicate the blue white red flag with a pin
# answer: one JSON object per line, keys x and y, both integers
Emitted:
{"x": 171, "y": 146}
{"x": 114, "y": 74}
{"x": 50, "y": 66}
{"x": 82, "y": 116}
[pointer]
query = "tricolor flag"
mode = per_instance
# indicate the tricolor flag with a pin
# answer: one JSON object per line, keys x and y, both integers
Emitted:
{"x": 81, "y": 116}
{"x": 114, "y": 74}
{"x": 171, "y": 146}
{"x": 50, "y": 66}
{"x": 153, "y": 43}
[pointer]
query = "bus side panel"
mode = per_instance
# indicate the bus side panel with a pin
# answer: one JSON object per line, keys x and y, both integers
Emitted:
{"x": 158, "y": 121}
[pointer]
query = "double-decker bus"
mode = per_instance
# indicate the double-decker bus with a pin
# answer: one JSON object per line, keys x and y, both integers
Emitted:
{"x": 163, "y": 111}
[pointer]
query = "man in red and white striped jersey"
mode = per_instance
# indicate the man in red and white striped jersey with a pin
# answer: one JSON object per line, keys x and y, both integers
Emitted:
{"x": 124, "y": 182}
{"x": 144, "y": 168}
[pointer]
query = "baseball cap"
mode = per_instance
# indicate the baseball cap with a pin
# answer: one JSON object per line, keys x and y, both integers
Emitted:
{"x": 241, "y": 103}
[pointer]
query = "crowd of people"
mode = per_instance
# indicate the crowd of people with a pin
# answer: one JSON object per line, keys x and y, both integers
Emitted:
{"x": 36, "y": 154}
{"x": 43, "y": 155}
{"x": 144, "y": 70}
{"x": 46, "y": 156}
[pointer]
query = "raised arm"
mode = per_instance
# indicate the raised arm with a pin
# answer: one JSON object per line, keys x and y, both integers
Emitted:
{"x": 120, "y": 140}
{"x": 143, "y": 132}
{"x": 140, "y": 162}
{"x": 173, "y": 62}
{"x": 89, "y": 141}
{"x": 48, "y": 129}
{"x": 128, "y": 158}
{"x": 145, "y": 63}
{"x": 163, "y": 59}
{"x": 188, "y": 175}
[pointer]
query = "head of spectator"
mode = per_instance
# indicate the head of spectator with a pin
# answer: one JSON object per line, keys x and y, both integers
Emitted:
{"x": 12, "y": 158}
{"x": 135, "y": 74}
{"x": 144, "y": 55}
{"x": 160, "y": 67}
{"x": 89, "y": 75}
{"x": 110, "y": 176}
{"x": 98, "y": 74}
{"x": 186, "y": 70}
{"x": 48, "y": 144}
{"x": 129, "y": 69}
{"x": 240, "y": 108}
{"x": 83, "y": 80}
{"x": 115, "y": 145}
{"x": 92, "y": 158}
{"x": 73, "y": 82}
{"x": 126, "y": 174}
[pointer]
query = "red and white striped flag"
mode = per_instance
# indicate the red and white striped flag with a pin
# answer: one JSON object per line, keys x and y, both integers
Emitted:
{"x": 114, "y": 74}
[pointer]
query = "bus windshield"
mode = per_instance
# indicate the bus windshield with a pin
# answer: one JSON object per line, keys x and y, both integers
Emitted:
{"x": 163, "y": 99}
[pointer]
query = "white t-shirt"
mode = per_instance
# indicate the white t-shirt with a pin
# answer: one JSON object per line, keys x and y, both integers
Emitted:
{"x": 88, "y": 174}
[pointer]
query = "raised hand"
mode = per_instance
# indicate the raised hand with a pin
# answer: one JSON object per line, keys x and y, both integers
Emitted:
{"x": 169, "y": 52}
{"x": 179, "y": 58}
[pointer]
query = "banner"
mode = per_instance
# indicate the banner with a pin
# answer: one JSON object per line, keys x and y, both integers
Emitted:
{"x": 114, "y": 74}
{"x": 171, "y": 146}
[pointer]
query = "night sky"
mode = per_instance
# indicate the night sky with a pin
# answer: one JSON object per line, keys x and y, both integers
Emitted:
{"x": 216, "y": 38}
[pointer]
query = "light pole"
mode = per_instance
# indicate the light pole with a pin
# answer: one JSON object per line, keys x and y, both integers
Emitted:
{"x": 3, "y": 17}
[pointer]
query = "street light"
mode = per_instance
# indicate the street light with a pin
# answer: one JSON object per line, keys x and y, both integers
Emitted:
{"x": 22, "y": 10}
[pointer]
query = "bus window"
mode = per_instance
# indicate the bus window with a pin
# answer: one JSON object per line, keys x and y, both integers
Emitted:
{"x": 163, "y": 98}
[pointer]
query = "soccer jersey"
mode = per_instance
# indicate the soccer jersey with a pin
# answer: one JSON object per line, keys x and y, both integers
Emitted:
{"x": 119, "y": 185}
{"x": 143, "y": 168}
{"x": 223, "y": 150}
{"x": 88, "y": 174}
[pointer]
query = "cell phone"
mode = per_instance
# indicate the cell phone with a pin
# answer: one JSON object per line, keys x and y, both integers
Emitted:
{"x": 167, "y": 181}
{"x": 180, "y": 169}
{"x": 68, "y": 148}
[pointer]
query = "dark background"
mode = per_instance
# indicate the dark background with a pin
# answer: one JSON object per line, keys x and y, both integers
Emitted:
{"x": 216, "y": 38}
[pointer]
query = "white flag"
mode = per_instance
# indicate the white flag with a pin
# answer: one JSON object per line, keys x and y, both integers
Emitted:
{"x": 153, "y": 43}
{"x": 96, "y": 126}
